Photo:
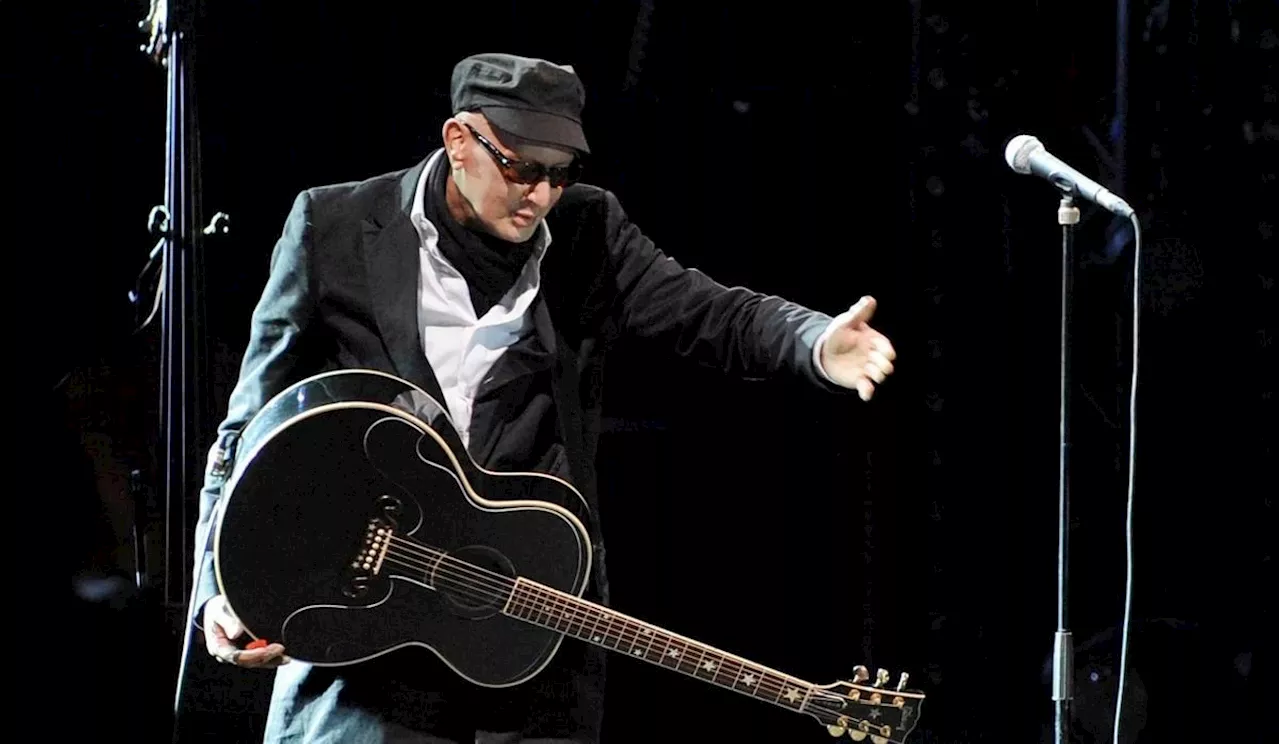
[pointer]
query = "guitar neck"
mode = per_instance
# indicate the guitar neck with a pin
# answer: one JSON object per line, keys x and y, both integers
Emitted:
{"x": 549, "y": 608}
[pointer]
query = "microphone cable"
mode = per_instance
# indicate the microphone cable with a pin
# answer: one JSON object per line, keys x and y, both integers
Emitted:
{"x": 1133, "y": 424}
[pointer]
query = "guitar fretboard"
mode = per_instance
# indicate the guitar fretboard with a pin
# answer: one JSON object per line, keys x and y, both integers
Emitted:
{"x": 586, "y": 621}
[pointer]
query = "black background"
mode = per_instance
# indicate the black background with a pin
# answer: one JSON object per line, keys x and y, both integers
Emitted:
{"x": 816, "y": 152}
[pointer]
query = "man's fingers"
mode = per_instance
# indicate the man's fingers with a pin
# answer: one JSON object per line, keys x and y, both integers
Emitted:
{"x": 231, "y": 625}
{"x": 214, "y": 638}
{"x": 221, "y": 649}
{"x": 883, "y": 346}
{"x": 227, "y": 619}
{"x": 880, "y": 362}
{"x": 271, "y": 655}
{"x": 218, "y": 613}
{"x": 221, "y": 627}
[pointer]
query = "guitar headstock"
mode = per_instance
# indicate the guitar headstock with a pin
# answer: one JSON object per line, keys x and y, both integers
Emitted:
{"x": 868, "y": 709}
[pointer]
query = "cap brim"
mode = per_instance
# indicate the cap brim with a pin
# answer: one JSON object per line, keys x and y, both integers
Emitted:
{"x": 538, "y": 127}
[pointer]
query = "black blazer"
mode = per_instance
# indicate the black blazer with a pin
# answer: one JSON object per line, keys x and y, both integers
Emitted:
{"x": 342, "y": 293}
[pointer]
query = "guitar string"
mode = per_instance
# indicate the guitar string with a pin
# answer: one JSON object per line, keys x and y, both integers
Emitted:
{"x": 504, "y": 585}
{"x": 420, "y": 558}
{"x": 824, "y": 715}
{"x": 766, "y": 684}
{"x": 630, "y": 634}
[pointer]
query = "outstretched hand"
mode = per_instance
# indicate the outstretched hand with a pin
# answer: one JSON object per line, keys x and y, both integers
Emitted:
{"x": 856, "y": 355}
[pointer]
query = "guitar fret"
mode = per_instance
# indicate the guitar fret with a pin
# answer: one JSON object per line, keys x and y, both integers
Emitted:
{"x": 594, "y": 635}
{"x": 581, "y": 632}
{"x": 603, "y": 627}
{"x": 673, "y": 652}
{"x": 610, "y": 634}
{"x": 736, "y": 672}
{"x": 710, "y": 666}
{"x": 643, "y": 634}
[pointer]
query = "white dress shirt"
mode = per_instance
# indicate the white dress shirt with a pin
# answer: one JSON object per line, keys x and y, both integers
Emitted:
{"x": 460, "y": 347}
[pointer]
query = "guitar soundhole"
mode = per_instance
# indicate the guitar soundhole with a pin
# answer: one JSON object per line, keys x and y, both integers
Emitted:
{"x": 476, "y": 581}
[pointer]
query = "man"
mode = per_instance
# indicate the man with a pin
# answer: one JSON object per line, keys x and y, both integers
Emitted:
{"x": 486, "y": 276}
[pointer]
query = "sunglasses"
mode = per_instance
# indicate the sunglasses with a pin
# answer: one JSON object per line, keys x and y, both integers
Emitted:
{"x": 528, "y": 171}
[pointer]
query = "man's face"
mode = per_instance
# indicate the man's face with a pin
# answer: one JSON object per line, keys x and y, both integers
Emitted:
{"x": 501, "y": 206}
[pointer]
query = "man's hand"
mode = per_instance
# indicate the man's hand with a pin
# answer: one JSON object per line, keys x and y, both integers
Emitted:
{"x": 221, "y": 627}
{"x": 856, "y": 355}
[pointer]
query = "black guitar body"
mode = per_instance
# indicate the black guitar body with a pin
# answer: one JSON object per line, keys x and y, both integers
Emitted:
{"x": 341, "y": 461}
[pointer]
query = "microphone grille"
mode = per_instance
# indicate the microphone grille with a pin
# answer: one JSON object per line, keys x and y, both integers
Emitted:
{"x": 1018, "y": 152}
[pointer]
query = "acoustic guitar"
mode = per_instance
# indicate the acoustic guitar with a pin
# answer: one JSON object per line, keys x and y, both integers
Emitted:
{"x": 353, "y": 523}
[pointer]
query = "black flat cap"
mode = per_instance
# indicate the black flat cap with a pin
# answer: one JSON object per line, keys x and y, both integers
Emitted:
{"x": 531, "y": 98}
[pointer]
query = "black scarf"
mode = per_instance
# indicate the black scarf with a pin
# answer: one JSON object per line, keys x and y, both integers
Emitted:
{"x": 490, "y": 265}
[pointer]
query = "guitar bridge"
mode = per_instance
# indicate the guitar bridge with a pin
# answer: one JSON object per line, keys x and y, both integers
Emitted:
{"x": 378, "y": 539}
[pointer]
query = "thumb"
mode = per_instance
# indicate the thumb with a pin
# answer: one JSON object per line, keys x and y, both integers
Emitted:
{"x": 861, "y": 311}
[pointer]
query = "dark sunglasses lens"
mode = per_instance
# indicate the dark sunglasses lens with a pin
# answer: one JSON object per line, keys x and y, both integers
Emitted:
{"x": 525, "y": 172}
{"x": 565, "y": 175}
{"x": 556, "y": 176}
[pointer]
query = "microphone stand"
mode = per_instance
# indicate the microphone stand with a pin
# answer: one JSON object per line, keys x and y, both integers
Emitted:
{"x": 1063, "y": 652}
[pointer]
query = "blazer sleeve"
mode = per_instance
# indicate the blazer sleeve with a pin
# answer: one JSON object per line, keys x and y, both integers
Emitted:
{"x": 738, "y": 331}
{"x": 274, "y": 358}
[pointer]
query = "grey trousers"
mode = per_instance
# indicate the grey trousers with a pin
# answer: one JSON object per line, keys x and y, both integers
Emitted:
{"x": 308, "y": 709}
{"x": 354, "y": 731}
{"x": 391, "y": 734}
{"x": 489, "y": 737}
{"x": 387, "y": 733}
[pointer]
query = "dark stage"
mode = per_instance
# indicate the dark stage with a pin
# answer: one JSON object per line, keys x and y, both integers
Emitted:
{"x": 816, "y": 152}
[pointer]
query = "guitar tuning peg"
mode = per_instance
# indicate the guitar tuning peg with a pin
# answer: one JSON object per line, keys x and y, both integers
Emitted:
{"x": 860, "y": 674}
{"x": 882, "y": 676}
{"x": 902, "y": 682}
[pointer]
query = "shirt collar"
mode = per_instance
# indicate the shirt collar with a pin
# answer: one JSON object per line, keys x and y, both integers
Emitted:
{"x": 430, "y": 235}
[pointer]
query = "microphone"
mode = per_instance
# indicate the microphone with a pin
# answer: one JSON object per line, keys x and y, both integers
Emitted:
{"x": 1026, "y": 154}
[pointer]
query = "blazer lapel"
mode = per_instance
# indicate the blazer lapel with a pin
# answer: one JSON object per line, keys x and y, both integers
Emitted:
{"x": 391, "y": 259}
